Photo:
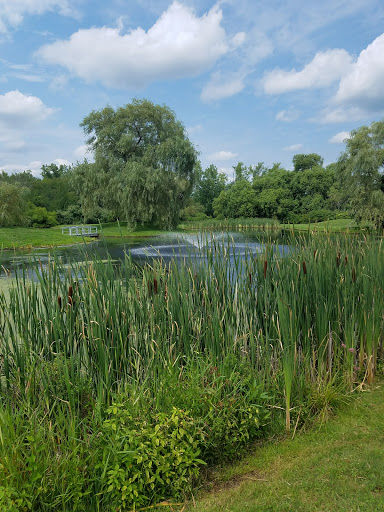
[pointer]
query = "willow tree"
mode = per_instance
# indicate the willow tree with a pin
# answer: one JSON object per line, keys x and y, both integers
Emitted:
{"x": 143, "y": 166}
{"x": 361, "y": 169}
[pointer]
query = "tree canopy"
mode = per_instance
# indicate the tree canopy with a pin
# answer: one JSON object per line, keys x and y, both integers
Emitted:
{"x": 360, "y": 170}
{"x": 144, "y": 163}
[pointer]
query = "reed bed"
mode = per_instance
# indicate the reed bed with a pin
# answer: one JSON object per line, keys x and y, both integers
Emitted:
{"x": 242, "y": 223}
{"x": 213, "y": 334}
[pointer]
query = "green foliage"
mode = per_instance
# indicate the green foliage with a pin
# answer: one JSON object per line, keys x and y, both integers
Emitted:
{"x": 13, "y": 207}
{"x": 149, "y": 461}
{"x": 302, "y": 162}
{"x": 209, "y": 186}
{"x": 144, "y": 163}
{"x": 39, "y": 217}
{"x": 360, "y": 170}
{"x": 193, "y": 211}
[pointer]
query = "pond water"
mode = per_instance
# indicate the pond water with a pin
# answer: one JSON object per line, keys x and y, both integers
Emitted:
{"x": 168, "y": 246}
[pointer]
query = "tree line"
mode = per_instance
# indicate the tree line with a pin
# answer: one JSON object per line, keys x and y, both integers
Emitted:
{"x": 146, "y": 170}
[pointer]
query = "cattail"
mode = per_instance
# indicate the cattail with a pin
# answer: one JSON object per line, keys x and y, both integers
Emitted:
{"x": 59, "y": 301}
{"x": 346, "y": 259}
{"x": 265, "y": 268}
{"x": 70, "y": 295}
{"x": 304, "y": 268}
{"x": 155, "y": 285}
{"x": 353, "y": 274}
{"x": 250, "y": 278}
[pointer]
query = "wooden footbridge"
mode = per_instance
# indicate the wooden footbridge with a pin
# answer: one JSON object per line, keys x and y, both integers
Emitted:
{"x": 90, "y": 231}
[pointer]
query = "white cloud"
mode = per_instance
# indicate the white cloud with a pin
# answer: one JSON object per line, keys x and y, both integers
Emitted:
{"x": 220, "y": 87}
{"x": 62, "y": 161}
{"x": 339, "y": 138}
{"x": 179, "y": 44}
{"x": 221, "y": 156}
{"x": 34, "y": 167}
{"x": 294, "y": 147}
{"x": 325, "y": 68}
{"x": 363, "y": 85}
{"x": 287, "y": 116}
{"x": 81, "y": 153}
{"x": 18, "y": 109}
{"x": 12, "y": 11}
{"x": 341, "y": 114}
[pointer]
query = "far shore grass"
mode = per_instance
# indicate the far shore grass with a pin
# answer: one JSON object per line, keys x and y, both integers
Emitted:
{"x": 28, "y": 238}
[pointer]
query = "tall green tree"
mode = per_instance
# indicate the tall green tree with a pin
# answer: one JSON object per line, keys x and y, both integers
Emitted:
{"x": 13, "y": 207}
{"x": 301, "y": 162}
{"x": 209, "y": 186}
{"x": 360, "y": 170}
{"x": 144, "y": 163}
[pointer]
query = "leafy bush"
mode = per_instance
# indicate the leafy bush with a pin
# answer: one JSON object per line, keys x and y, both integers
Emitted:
{"x": 39, "y": 217}
{"x": 146, "y": 461}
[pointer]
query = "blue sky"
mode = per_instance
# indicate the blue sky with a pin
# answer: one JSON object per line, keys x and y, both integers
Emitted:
{"x": 251, "y": 80}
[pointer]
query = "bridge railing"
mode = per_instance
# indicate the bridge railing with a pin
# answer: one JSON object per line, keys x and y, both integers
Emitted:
{"x": 79, "y": 230}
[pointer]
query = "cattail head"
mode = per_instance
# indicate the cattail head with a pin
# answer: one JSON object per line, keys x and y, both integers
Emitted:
{"x": 265, "y": 268}
{"x": 353, "y": 274}
{"x": 59, "y": 301}
{"x": 250, "y": 278}
{"x": 70, "y": 295}
{"x": 155, "y": 285}
{"x": 304, "y": 268}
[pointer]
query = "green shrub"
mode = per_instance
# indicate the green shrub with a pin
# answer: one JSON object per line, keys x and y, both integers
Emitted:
{"x": 39, "y": 217}
{"x": 146, "y": 461}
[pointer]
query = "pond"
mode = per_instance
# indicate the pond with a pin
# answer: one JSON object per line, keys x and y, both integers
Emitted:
{"x": 179, "y": 246}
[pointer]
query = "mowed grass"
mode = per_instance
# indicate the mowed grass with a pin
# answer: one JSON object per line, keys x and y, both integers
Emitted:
{"x": 20, "y": 238}
{"x": 339, "y": 467}
{"x": 337, "y": 225}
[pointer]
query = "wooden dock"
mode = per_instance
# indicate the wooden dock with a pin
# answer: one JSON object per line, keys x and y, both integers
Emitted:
{"x": 90, "y": 231}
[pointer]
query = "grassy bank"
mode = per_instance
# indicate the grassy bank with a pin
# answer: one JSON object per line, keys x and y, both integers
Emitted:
{"x": 339, "y": 467}
{"x": 338, "y": 225}
{"x": 27, "y": 238}
{"x": 119, "y": 383}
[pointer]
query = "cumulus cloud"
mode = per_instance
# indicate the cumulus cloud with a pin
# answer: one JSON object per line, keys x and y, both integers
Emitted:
{"x": 341, "y": 114}
{"x": 220, "y": 87}
{"x": 18, "y": 109}
{"x": 12, "y": 11}
{"x": 294, "y": 147}
{"x": 81, "y": 152}
{"x": 363, "y": 85}
{"x": 34, "y": 167}
{"x": 287, "y": 116}
{"x": 339, "y": 138}
{"x": 178, "y": 45}
{"x": 221, "y": 156}
{"x": 325, "y": 68}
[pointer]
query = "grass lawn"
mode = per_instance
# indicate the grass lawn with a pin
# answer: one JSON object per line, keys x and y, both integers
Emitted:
{"x": 328, "y": 225}
{"x": 339, "y": 467}
{"x": 17, "y": 238}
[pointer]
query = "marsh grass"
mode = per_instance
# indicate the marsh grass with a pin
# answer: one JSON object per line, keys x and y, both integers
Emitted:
{"x": 233, "y": 340}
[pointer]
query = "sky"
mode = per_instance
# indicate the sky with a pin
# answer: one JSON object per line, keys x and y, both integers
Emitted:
{"x": 251, "y": 80}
